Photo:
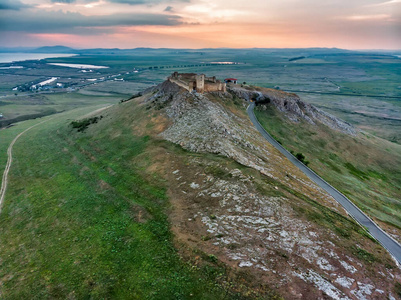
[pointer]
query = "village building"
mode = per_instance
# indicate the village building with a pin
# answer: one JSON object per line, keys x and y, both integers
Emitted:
{"x": 233, "y": 80}
{"x": 197, "y": 82}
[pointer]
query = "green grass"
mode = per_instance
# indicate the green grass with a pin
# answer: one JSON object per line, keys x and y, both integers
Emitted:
{"x": 84, "y": 219}
{"x": 81, "y": 125}
{"x": 24, "y": 107}
{"x": 356, "y": 172}
{"x": 360, "y": 167}
{"x": 217, "y": 172}
{"x": 364, "y": 255}
{"x": 8, "y": 134}
{"x": 9, "y": 81}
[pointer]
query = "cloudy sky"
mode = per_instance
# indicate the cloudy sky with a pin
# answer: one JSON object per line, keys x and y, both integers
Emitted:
{"x": 351, "y": 24}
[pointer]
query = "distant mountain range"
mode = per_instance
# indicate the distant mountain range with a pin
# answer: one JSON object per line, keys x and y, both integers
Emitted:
{"x": 67, "y": 50}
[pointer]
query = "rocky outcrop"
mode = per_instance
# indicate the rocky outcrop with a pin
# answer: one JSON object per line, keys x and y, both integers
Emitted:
{"x": 260, "y": 234}
{"x": 164, "y": 93}
{"x": 293, "y": 107}
{"x": 200, "y": 125}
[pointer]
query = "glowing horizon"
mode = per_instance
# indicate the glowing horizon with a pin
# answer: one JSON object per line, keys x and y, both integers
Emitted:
{"x": 362, "y": 24}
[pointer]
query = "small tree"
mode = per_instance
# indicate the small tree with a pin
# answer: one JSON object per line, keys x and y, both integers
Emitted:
{"x": 301, "y": 158}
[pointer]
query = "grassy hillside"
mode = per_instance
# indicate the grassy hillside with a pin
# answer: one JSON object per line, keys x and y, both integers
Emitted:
{"x": 364, "y": 168}
{"x": 95, "y": 208}
{"x": 98, "y": 229}
{"x": 22, "y": 107}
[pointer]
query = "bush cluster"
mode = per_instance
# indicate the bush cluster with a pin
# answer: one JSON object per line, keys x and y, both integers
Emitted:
{"x": 81, "y": 125}
{"x": 300, "y": 157}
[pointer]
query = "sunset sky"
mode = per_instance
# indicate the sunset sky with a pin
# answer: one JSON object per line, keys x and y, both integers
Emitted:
{"x": 350, "y": 24}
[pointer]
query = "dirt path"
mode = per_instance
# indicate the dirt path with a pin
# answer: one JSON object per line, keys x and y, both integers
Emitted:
{"x": 9, "y": 162}
{"x": 4, "y": 180}
{"x": 95, "y": 112}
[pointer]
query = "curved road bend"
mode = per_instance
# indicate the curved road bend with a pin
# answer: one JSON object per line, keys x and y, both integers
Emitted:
{"x": 389, "y": 243}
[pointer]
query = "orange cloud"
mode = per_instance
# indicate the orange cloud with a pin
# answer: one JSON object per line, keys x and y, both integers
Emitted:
{"x": 204, "y": 23}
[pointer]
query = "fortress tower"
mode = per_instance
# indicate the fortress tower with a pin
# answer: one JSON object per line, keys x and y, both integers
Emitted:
{"x": 197, "y": 82}
{"x": 200, "y": 83}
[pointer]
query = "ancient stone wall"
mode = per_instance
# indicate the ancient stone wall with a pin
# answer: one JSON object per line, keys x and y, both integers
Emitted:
{"x": 181, "y": 83}
{"x": 212, "y": 79}
{"x": 189, "y": 81}
{"x": 215, "y": 86}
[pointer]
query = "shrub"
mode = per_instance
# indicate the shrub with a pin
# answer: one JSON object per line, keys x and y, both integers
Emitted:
{"x": 212, "y": 258}
{"x": 216, "y": 171}
{"x": 81, "y": 125}
{"x": 301, "y": 158}
{"x": 364, "y": 255}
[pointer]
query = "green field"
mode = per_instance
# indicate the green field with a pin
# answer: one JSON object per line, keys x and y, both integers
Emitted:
{"x": 98, "y": 228}
{"x": 22, "y": 107}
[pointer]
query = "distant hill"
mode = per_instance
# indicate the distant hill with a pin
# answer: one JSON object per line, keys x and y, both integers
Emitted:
{"x": 54, "y": 49}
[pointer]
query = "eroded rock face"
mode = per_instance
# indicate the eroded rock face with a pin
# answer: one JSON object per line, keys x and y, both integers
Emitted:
{"x": 228, "y": 217}
{"x": 293, "y": 107}
{"x": 205, "y": 126}
{"x": 245, "y": 228}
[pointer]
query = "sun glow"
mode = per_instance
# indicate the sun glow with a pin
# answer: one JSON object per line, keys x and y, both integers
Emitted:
{"x": 203, "y": 23}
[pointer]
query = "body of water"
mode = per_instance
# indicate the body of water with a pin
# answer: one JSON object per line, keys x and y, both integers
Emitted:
{"x": 14, "y": 57}
{"x": 11, "y": 67}
{"x": 47, "y": 81}
{"x": 78, "y": 66}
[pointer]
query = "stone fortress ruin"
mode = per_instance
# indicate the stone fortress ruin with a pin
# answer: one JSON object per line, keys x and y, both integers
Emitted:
{"x": 197, "y": 82}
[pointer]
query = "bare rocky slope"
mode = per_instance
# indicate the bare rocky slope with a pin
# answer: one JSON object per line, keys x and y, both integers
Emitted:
{"x": 252, "y": 210}
{"x": 293, "y": 107}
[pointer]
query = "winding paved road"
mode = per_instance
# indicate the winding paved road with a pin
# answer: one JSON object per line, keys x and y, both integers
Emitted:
{"x": 389, "y": 243}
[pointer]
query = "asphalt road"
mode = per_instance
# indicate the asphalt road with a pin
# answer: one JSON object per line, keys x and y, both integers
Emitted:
{"x": 389, "y": 243}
